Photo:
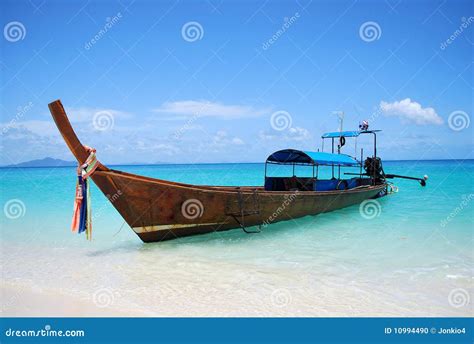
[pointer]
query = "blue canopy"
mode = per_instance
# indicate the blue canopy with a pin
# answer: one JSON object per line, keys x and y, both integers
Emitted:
{"x": 354, "y": 133}
{"x": 341, "y": 133}
{"x": 293, "y": 156}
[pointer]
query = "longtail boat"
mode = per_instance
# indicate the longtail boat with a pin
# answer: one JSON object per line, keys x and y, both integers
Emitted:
{"x": 159, "y": 210}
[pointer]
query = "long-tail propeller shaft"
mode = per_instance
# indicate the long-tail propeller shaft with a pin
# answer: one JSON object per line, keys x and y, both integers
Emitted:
{"x": 391, "y": 176}
{"x": 421, "y": 180}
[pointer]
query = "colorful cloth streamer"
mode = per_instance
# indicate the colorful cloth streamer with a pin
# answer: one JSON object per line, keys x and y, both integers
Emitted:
{"x": 82, "y": 216}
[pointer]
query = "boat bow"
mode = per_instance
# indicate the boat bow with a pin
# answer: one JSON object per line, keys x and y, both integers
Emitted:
{"x": 79, "y": 151}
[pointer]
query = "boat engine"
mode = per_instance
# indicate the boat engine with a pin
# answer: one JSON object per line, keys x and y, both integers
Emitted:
{"x": 373, "y": 167}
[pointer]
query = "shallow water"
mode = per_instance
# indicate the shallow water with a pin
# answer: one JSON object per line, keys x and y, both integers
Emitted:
{"x": 414, "y": 258}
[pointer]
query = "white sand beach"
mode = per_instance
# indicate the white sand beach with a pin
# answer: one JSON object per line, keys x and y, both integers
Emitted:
{"x": 188, "y": 286}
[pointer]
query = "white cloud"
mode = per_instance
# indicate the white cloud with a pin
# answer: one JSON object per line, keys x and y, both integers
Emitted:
{"x": 36, "y": 127}
{"x": 292, "y": 134}
{"x": 237, "y": 141}
{"x": 411, "y": 111}
{"x": 204, "y": 108}
{"x": 221, "y": 140}
{"x": 298, "y": 134}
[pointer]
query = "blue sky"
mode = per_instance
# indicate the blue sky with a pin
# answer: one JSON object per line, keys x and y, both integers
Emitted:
{"x": 212, "y": 81}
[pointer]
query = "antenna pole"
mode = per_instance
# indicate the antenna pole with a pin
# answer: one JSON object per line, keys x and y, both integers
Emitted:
{"x": 340, "y": 116}
{"x": 341, "y": 120}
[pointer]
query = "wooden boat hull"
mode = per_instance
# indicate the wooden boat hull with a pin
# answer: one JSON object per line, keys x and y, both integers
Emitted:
{"x": 159, "y": 210}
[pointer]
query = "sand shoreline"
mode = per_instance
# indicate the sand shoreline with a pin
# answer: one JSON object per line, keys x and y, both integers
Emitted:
{"x": 24, "y": 301}
{"x": 19, "y": 301}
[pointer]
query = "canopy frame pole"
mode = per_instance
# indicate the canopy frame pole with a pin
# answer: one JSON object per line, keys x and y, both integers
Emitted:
{"x": 339, "y": 152}
{"x": 332, "y": 151}
{"x": 355, "y": 149}
{"x": 375, "y": 156}
{"x": 375, "y": 144}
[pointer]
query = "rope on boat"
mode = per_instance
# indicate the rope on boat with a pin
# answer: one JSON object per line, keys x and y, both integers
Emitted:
{"x": 82, "y": 216}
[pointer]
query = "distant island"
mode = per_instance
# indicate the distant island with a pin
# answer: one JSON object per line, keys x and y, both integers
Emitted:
{"x": 46, "y": 162}
{"x": 51, "y": 162}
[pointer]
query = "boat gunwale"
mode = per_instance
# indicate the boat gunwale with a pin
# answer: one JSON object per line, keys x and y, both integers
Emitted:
{"x": 234, "y": 189}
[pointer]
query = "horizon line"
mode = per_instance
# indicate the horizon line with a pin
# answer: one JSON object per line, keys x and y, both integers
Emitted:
{"x": 207, "y": 163}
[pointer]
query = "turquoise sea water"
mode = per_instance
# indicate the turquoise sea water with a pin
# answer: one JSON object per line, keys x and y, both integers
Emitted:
{"x": 415, "y": 258}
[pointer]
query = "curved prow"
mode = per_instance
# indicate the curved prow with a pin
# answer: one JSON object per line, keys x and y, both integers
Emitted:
{"x": 62, "y": 122}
